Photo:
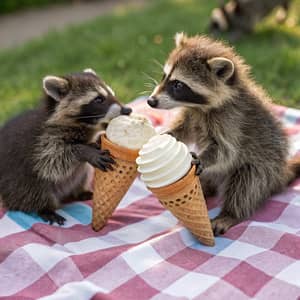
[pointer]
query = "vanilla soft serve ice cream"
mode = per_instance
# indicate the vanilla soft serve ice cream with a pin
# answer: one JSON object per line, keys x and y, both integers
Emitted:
{"x": 163, "y": 160}
{"x": 131, "y": 132}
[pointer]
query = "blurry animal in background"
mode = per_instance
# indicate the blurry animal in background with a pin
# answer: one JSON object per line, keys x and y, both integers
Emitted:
{"x": 239, "y": 17}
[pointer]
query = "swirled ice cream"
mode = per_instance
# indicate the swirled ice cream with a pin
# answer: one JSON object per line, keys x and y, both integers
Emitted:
{"x": 163, "y": 160}
{"x": 131, "y": 132}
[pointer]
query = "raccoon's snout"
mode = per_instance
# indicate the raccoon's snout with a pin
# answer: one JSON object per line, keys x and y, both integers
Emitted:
{"x": 126, "y": 110}
{"x": 152, "y": 102}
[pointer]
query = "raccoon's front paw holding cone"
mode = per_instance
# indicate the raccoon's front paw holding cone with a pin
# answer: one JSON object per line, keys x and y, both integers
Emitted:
{"x": 166, "y": 168}
{"x": 104, "y": 161}
{"x": 123, "y": 139}
{"x": 197, "y": 163}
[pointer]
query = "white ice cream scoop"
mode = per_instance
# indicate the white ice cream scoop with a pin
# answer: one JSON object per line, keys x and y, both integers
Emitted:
{"x": 163, "y": 160}
{"x": 130, "y": 131}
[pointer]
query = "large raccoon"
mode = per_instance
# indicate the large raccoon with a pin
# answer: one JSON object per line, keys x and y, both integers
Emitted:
{"x": 240, "y": 16}
{"x": 242, "y": 148}
{"x": 46, "y": 153}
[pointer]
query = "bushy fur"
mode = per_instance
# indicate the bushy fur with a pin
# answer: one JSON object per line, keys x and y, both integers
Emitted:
{"x": 242, "y": 147}
{"x": 46, "y": 154}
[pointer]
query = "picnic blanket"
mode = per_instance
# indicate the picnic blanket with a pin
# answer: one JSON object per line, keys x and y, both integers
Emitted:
{"x": 144, "y": 253}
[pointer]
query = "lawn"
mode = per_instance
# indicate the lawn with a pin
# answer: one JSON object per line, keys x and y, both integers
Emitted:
{"x": 124, "y": 46}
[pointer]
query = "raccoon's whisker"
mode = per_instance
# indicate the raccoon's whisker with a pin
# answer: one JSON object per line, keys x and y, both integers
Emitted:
{"x": 144, "y": 93}
{"x": 89, "y": 117}
{"x": 158, "y": 72}
{"x": 158, "y": 63}
{"x": 149, "y": 85}
{"x": 151, "y": 78}
{"x": 154, "y": 80}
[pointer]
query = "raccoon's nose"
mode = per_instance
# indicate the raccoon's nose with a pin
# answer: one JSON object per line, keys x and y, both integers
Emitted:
{"x": 126, "y": 110}
{"x": 152, "y": 102}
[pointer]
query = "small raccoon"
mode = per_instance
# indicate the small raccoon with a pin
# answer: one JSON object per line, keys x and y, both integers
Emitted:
{"x": 46, "y": 153}
{"x": 240, "y": 16}
{"x": 242, "y": 148}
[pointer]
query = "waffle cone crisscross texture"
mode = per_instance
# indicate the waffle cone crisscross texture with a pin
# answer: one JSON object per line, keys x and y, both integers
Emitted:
{"x": 186, "y": 202}
{"x": 110, "y": 187}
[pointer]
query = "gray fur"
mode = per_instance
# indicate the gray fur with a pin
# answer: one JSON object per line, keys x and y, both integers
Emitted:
{"x": 46, "y": 154}
{"x": 242, "y": 147}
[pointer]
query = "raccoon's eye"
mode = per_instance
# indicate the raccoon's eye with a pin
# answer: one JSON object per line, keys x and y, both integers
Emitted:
{"x": 99, "y": 99}
{"x": 177, "y": 85}
{"x": 214, "y": 25}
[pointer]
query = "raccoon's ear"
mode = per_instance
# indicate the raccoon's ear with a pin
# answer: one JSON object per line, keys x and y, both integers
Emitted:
{"x": 55, "y": 87}
{"x": 222, "y": 67}
{"x": 237, "y": 8}
{"x": 89, "y": 70}
{"x": 180, "y": 39}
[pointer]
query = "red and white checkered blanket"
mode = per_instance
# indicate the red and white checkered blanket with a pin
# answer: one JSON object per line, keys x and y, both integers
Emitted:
{"x": 144, "y": 253}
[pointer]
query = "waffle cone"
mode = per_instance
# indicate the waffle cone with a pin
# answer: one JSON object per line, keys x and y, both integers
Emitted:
{"x": 185, "y": 200}
{"x": 110, "y": 187}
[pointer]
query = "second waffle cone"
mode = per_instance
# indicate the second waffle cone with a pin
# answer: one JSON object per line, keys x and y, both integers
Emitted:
{"x": 185, "y": 200}
{"x": 110, "y": 187}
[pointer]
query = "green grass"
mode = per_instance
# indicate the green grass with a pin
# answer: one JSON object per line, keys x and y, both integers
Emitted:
{"x": 123, "y": 46}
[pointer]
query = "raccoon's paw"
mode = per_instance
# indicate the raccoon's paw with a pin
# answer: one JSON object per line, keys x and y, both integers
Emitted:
{"x": 221, "y": 224}
{"x": 197, "y": 163}
{"x": 52, "y": 217}
{"x": 104, "y": 161}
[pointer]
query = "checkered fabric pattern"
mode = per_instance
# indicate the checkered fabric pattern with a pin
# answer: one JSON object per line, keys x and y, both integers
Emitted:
{"x": 144, "y": 253}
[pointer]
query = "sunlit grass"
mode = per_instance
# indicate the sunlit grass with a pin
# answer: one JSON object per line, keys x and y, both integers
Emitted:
{"x": 122, "y": 47}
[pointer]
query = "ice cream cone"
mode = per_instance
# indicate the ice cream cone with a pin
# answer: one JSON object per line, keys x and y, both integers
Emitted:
{"x": 110, "y": 187}
{"x": 185, "y": 200}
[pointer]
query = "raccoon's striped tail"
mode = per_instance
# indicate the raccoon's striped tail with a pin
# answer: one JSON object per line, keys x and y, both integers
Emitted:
{"x": 293, "y": 168}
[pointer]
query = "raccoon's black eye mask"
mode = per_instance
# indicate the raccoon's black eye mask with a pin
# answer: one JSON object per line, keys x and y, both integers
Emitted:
{"x": 92, "y": 112}
{"x": 214, "y": 26}
{"x": 179, "y": 91}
